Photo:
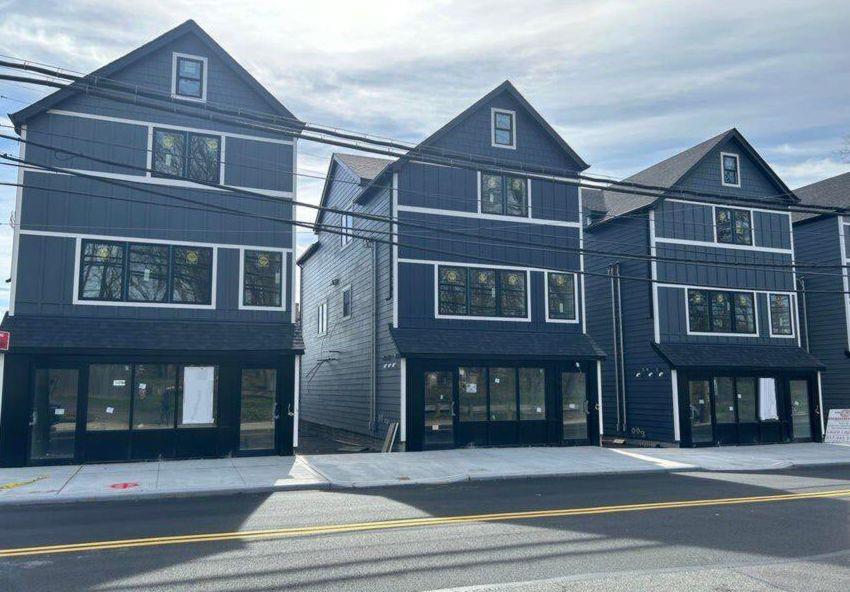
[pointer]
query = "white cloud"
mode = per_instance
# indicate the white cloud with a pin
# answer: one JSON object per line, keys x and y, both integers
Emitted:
{"x": 626, "y": 82}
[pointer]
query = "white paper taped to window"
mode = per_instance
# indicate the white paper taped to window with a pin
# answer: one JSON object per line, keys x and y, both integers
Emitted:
{"x": 767, "y": 399}
{"x": 198, "y": 386}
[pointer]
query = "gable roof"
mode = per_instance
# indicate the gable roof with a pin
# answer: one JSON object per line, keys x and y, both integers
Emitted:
{"x": 833, "y": 192}
{"x": 508, "y": 87}
{"x": 667, "y": 173}
{"x": 365, "y": 168}
{"x": 188, "y": 27}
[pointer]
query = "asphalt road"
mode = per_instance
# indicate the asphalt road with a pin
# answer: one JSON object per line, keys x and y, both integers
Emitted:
{"x": 774, "y": 531}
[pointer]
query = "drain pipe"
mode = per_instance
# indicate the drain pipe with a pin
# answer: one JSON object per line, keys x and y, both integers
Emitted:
{"x": 803, "y": 313}
{"x": 622, "y": 343}
{"x": 616, "y": 347}
{"x": 373, "y": 373}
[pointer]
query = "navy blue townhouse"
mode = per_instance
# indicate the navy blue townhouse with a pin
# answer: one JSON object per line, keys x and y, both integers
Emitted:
{"x": 697, "y": 306}
{"x": 469, "y": 330}
{"x": 143, "y": 327}
{"x": 824, "y": 240}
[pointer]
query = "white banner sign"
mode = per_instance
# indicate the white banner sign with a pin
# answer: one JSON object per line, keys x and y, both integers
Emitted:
{"x": 838, "y": 427}
{"x": 198, "y": 388}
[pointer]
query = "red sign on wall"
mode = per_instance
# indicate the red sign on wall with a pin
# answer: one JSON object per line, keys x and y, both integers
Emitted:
{"x": 5, "y": 338}
{"x": 124, "y": 485}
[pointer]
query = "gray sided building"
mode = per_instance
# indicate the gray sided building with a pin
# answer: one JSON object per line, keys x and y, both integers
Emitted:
{"x": 824, "y": 239}
{"x": 697, "y": 306}
{"x": 145, "y": 321}
{"x": 468, "y": 330}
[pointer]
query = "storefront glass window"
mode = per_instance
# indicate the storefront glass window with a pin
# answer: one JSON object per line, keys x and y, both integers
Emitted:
{"x": 154, "y": 396}
{"x": 109, "y": 397}
{"x": 472, "y": 395}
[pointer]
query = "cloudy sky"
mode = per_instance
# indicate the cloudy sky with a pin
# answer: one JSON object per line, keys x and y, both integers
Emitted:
{"x": 627, "y": 83}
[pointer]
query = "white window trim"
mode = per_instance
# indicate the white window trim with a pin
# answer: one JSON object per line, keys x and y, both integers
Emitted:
{"x": 480, "y": 216}
{"x": 345, "y": 238}
{"x": 714, "y": 334}
{"x": 204, "y": 77}
{"x": 322, "y": 317}
{"x": 732, "y": 208}
{"x": 737, "y": 168}
{"x": 793, "y": 304}
{"x": 437, "y": 315}
{"x": 342, "y": 302}
{"x": 843, "y": 228}
{"x": 527, "y": 216}
{"x": 78, "y": 262}
{"x": 576, "y": 320}
{"x": 493, "y": 112}
{"x": 283, "y": 283}
{"x": 221, "y": 162}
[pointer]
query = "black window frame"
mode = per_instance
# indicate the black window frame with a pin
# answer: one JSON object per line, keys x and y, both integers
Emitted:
{"x": 187, "y": 155}
{"x": 276, "y": 258}
{"x": 733, "y": 218}
{"x": 501, "y": 292}
{"x": 505, "y": 188}
{"x": 736, "y": 170}
{"x": 346, "y": 314}
{"x": 791, "y": 323}
{"x": 496, "y": 128}
{"x": 201, "y": 78}
{"x": 708, "y": 326}
{"x": 554, "y": 316}
{"x": 126, "y": 273}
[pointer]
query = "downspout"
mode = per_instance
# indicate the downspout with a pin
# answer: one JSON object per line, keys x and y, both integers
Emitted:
{"x": 803, "y": 313}
{"x": 373, "y": 373}
{"x": 616, "y": 347}
{"x": 622, "y": 342}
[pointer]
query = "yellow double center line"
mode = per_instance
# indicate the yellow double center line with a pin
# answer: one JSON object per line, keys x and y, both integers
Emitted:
{"x": 407, "y": 523}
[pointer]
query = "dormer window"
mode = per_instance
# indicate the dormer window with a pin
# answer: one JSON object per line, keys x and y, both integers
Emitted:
{"x": 503, "y": 128}
{"x": 730, "y": 169}
{"x": 189, "y": 77}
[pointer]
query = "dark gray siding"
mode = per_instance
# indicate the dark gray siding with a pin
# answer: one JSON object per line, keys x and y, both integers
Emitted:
{"x": 817, "y": 242}
{"x": 337, "y": 367}
{"x": 649, "y": 401}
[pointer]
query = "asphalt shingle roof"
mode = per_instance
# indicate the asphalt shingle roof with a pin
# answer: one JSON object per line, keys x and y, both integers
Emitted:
{"x": 61, "y": 333}
{"x": 692, "y": 355}
{"x": 365, "y": 167}
{"x": 495, "y": 344}
{"x": 831, "y": 193}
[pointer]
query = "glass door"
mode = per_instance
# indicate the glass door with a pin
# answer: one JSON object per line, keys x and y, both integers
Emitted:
{"x": 725, "y": 418}
{"x": 801, "y": 415}
{"x": 439, "y": 410}
{"x": 575, "y": 408}
{"x": 259, "y": 413}
{"x": 699, "y": 411}
{"x": 748, "y": 423}
{"x": 502, "y": 422}
{"x": 53, "y": 422}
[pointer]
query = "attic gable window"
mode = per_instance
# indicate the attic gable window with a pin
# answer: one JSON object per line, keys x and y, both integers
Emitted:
{"x": 503, "y": 128}
{"x": 189, "y": 77}
{"x": 730, "y": 164}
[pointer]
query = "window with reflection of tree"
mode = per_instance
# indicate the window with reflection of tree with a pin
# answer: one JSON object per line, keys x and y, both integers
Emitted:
{"x": 145, "y": 272}
{"x": 262, "y": 278}
{"x": 716, "y": 311}
{"x": 187, "y": 155}
{"x": 503, "y": 194}
{"x": 733, "y": 226}
{"x": 780, "y": 314}
{"x": 481, "y": 292}
{"x": 562, "y": 296}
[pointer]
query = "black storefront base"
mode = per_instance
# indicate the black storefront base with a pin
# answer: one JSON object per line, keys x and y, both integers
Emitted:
{"x": 221, "y": 440}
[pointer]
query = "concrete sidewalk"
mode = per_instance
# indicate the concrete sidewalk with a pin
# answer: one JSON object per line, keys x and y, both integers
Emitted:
{"x": 267, "y": 474}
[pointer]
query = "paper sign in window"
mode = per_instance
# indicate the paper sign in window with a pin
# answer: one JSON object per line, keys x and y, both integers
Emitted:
{"x": 198, "y": 394}
{"x": 767, "y": 399}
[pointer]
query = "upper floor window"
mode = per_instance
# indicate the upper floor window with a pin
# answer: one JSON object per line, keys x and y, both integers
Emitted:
{"x": 503, "y": 128}
{"x": 730, "y": 169}
{"x": 346, "y": 227}
{"x": 501, "y": 194}
{"x": 480, "y": 292}
{"x": 322, "y": 318}
{"x": 781, "y": 315}
{"x": 734, "y": 227}
{"x": 189, "y": 77}
{"x": 561, "y": 296}
{"x": 145, "y": 272}
{"x": 262, "y": 279}
{"x": 346, "y": 302}
{"x": 716, "y": 311}
{"x": 192, "y": 156}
